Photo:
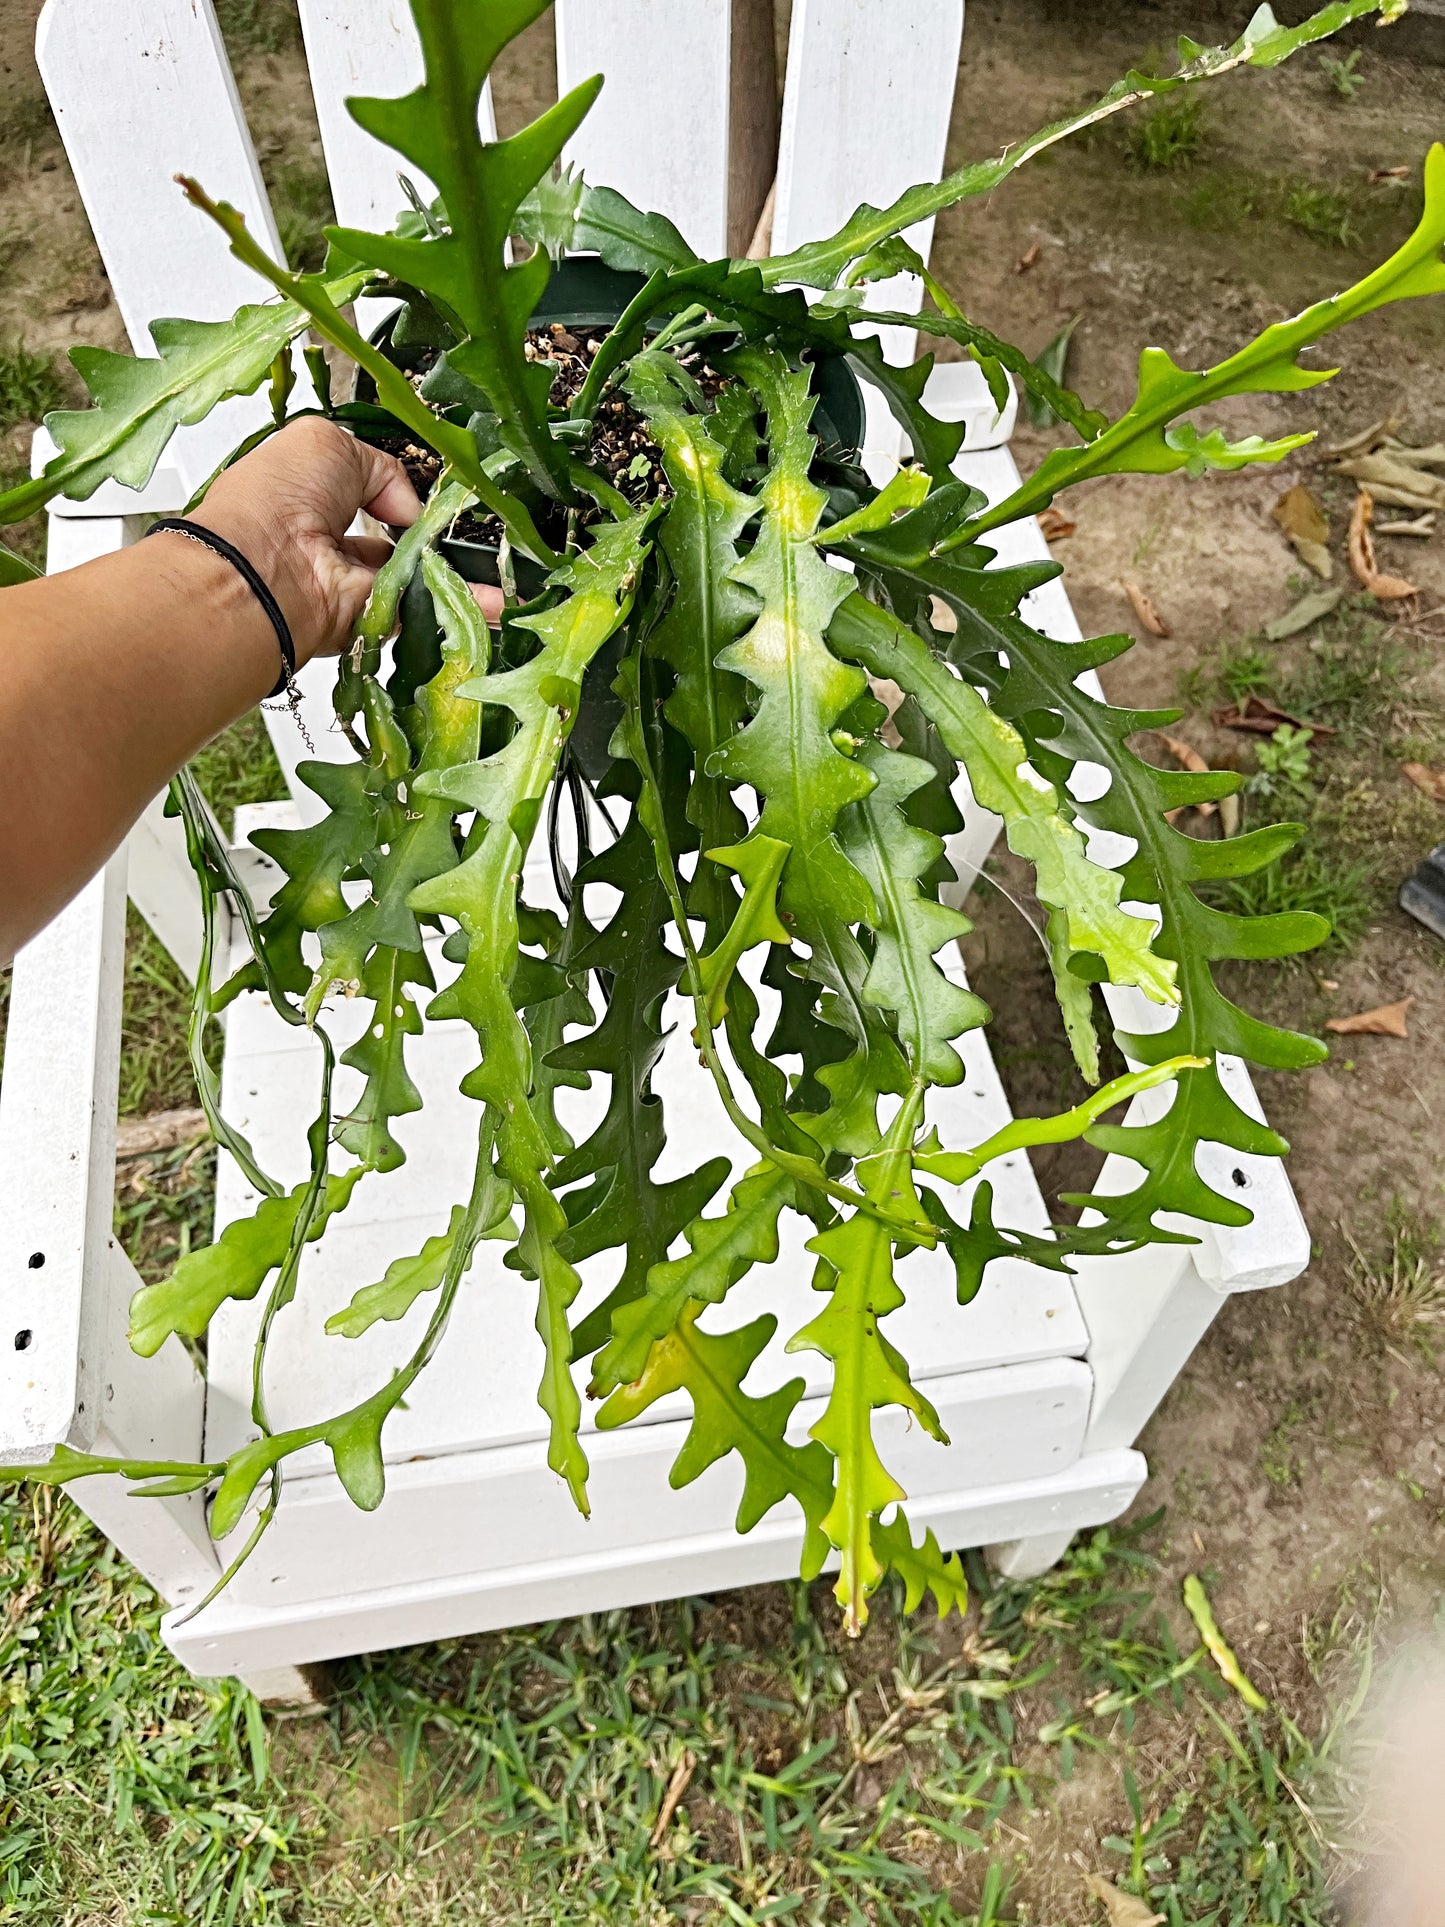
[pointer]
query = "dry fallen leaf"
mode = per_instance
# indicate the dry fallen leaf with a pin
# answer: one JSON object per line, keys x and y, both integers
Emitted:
{"x": 1367, "y": 438}
{"x": 1309, "y": 608}
{"x": 1421, "y": 525}
{"x": 1028, "y": 258}
{"x": 1123, "y": 1910}
{"x": 1431, "y": 781}
{"x": 1056, "y": 525}
{"x": 681, "y": 1775}
{"x": 1387, "y": 1020}
{"x": 1148, "y": 615}
{"x": 1262, "y": 718}
{"x": 1391, "y": 477}
{"x": 1305, "y": 523}
{"x": 1188, "y": 757}
{"x": 1378, "y": 174}
{"x": 1298, "y": 512}
{"x": 1386, "y": 588}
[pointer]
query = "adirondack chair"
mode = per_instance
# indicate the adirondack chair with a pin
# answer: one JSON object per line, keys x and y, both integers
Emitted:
{"x": 1043, "y": 1385}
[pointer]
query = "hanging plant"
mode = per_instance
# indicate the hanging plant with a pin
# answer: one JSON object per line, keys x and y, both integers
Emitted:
{"x": 667, "y": 489}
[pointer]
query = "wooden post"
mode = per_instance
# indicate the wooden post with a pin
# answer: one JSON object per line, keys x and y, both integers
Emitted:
{"x": 753, "y": 117}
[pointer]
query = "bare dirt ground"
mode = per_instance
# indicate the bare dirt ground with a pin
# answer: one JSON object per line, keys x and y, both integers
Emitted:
{"x": 1299, "y": 1454}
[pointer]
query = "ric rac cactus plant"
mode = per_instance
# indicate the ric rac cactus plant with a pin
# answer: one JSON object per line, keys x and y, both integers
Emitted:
{"x": 708, "y": 612}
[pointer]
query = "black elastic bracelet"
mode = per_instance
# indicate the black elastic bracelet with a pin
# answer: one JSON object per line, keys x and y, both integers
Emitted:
{"x": 251, "y": 576}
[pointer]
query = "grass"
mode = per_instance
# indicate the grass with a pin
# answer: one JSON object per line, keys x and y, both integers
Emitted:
{"x": 1311, "y": 877}
{"x": 1398, "y": 1284}
{"x": 1325, "y": 214}
{"x": 258, "y": 26}
{"x": 1366, "y": 824}
{"x": 30, "y": 384}
{"x": 520, "y": 1777}
{"x": 301, "y": 200}
{"x": 1333, "y": 216}
{"x": 1169, "y": 137}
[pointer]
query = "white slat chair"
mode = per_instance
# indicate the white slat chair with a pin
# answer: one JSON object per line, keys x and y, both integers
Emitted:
{"x": 1043, "y": 1384}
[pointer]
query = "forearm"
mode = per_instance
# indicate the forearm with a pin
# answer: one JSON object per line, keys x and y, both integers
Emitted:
{"x": 111, "y": 676}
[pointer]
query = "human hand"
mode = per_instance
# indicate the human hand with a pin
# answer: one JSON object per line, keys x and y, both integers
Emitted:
{"x": 287, "y": 506}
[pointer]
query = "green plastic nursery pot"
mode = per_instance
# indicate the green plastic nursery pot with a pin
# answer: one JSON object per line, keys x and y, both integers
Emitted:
{"x": 583, "y": 292}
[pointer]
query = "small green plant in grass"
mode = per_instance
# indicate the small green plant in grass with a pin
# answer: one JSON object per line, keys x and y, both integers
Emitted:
{"x": 1323, "y": 213}
{"x": 1245, "y": 671}
{"x": 1398, "y": 1283}
{"x": 1285, "y": 766}
{"x": 1341, "y": 73}
{"x": 30, "y": 384}
{"x": 1168, "y": 138}
{"x": 1278, "y": 1458}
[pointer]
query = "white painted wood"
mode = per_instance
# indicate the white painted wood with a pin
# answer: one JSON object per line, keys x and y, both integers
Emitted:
{"x": 291, "y": 1689}
{"x": 1029, "y": 1558}
{"x": 162, "y": 885}
{"x": 150, "y": 1408}
{"x": 458, "y": 1512}
{"x": 57, "y": 1150}
{"x": 141, "y": 92}
{"x": 658, "y": 132}
{"x": 164, "y": 494}
{"x": 400, "y": 1607}
{"x": 866, "y": 108}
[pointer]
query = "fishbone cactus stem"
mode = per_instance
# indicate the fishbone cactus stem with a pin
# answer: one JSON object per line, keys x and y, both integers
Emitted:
{"x": 675, "y": 720}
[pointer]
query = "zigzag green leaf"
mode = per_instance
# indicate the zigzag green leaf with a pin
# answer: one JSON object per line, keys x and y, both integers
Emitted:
{"x": 867, "y": 1370}
{"x": 912, "y": 928}
{"x": 996, "y": 758}
{"x": 1151, "y": 440}
{"x": 710, "y": 1368}
{"x": 482, "y": 186}
{"x": 922, "y": 1569}
{"x": 235, "y": 1266}
{"x": 137, "y": 404}
{"x": 507, "y": 789}
{"x": 722, "y": 1250}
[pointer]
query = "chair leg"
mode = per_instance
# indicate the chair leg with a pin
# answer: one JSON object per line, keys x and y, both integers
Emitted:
{"x": 291, "y": 1689}
{"x": 1028, "y": 1558}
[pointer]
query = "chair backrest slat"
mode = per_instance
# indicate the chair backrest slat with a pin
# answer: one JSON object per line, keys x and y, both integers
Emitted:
{"x": 142, "y": 91}
{"x": 368, "y": 49}
{"x": 866, "y": 108}
{"x": 659, "y": 130}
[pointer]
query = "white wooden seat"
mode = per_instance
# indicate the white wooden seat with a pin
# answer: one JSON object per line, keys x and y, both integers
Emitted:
{"x": 1043, "y": 1383}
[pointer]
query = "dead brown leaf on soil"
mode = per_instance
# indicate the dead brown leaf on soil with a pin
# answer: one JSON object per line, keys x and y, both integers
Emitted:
{"x": 1262, "y": 718}
{"x": 1144, "y": 609}
{"x": 1187, "y": 757}
{"x": 1430, "y": 781}
{"x": 1300, "y": 514}
{"x": 1393, "y": 478}
{"x": 1386, "y": 1020}
{"x": 1379, "y": 174}
{"x": 1366, "y": 439}
{"x": 1385, "y": 588}
{"x": 1056, "y": 525}
{"x": 1122, "y": 1910}
{"x": 1028, "y": 258}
